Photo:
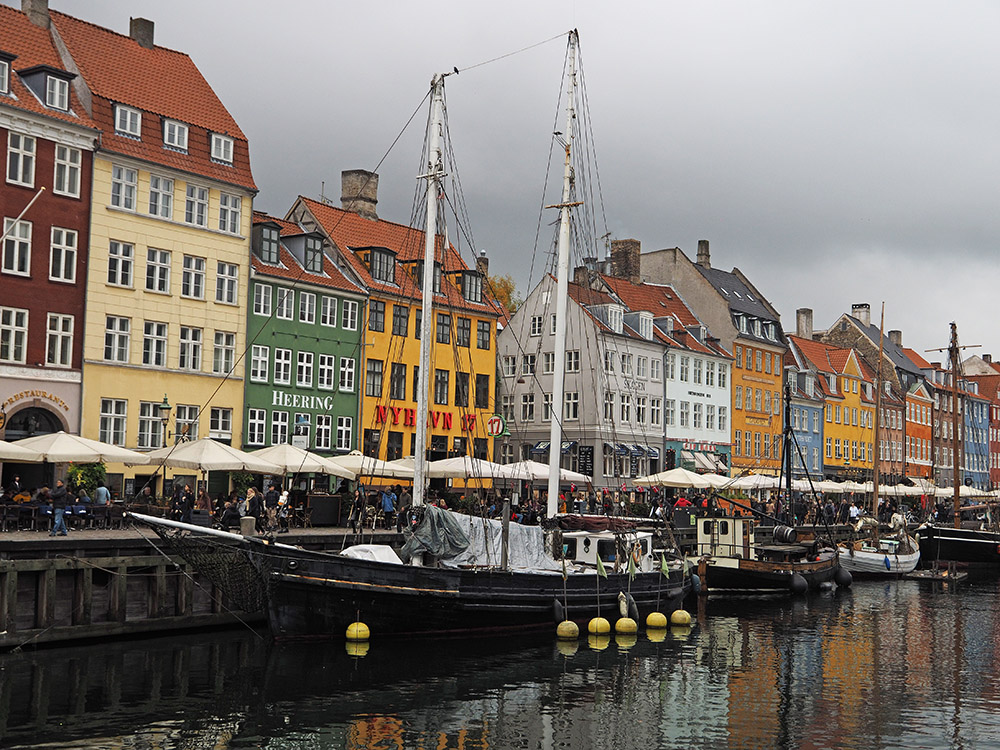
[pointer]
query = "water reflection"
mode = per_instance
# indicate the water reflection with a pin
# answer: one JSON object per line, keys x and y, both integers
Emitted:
{"x": 884, "y": 665}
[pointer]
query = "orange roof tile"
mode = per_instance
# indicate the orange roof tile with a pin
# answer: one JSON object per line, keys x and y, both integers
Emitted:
{"x": 33, "y": 46}
{"x": 659, "y": 299}
{"x": 919, "y": 361}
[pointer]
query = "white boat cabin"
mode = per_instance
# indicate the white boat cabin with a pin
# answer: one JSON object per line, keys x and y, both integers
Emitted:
{"x": 730, "y": 536}
{"x": 583, "y": 547}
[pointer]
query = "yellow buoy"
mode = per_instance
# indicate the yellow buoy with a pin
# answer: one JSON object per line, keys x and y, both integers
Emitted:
{"x": 680, "y": 617}
{"x": 568, "y": 630}
{"x": 626, "y": 625}
{"x": 656, "y": 620}
{"x": 656, "y": 635}
{"x": 598, "y": 626}
{"x": 598, "y": 642}
{"x": 356, "y": 648}
{"x": 626, "y": 641}
{"x": 358, "y": 631}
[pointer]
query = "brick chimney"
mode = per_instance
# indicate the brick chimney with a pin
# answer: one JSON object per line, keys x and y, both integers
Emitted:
{"x": 988, "y": 359}
{"x": 863, "y": 312}
{"x": 896, "y": 337}
{"x": 141, "y": 30}
{"x": 483, "y": 264}
{"x": 625, "y": 259}
{"x": 704, "y": 256}
{"x": 359, "y": 192}
{"x": 37, "y": 12}
{"x": 804, "y": 323}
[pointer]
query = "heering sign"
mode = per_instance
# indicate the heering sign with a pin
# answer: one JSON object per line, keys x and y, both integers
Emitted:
{"x": 301, "y": 401}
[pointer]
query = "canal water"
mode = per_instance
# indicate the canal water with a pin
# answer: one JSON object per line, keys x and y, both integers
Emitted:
{"x": 883, "y": 665}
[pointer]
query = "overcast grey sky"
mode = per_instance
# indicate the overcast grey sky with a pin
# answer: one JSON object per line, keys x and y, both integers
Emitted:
{"x": 836, "y": 153}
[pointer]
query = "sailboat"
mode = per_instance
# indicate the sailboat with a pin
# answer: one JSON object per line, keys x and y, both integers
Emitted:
{"x": 878, "y": 555}
{"x": 441, "y": 587}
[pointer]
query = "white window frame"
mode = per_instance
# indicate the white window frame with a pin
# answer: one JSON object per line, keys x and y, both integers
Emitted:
{"x": 220, "y": 423}
{"x": 326, "y": 368}
{"x": 573, "y": 360}
{"x": 262, "y": 297}
{"x": 284, "y": 307}
{"x": 4, "y": 77}
{"x": 304, "y": 370}
{"x": 128, "y": 121}
{"x": 124, "y": 187}
{"x": 222, "y": 148}
{"x": 59, "y": 340}
{"x": 189, "y": 351}
{"x": 224, "y": 353}
{"x": 535, "y": 328}
{"x": 13, "y": 335}
{"x": 655, "y": 410}
{"x": 113, "y": 421}
{"x": 154, "y": 343}
{"x": 150, "y": 433}
{"x": 345, "y": 426}
{"x": 349, "y": 316}
{"x": 230, "y": 213}
{"x": 20, "y": 159}
{"x": 346, "y": 378}
{"x": 66, "y": 171}
{"x": 328, "y": 311}
{"x": 175, "y": 135}
{"x": 121, "y": 263}
{"x": 161, "y": 196}
{"x": 196, "y": 205}
{"x": 324, "y": 431}
{"x": 655, "y": 369}
{"x": 307, "y": 307}
{"x": 282, "y": 366}
{"x": 193, "y": 277}
{"x": 186, "y": 423}
{"x": 571, "y": 406}
{"x": 117, "y": 338}
{"x": 256, "y": 426}
{"x": 17, "y": 247}
{"x": 260, "y": 363}
{"x": 227, "y": 283}
{"x": 158, "y": 270}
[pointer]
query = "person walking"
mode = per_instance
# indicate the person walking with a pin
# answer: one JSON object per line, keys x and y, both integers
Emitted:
{"x": 255, "y": 507}
{"x": 58, "y": 497}
{"x": 271, "y": 500}
{"x": 405, "y": 501}
{"x": 187, "y": 504}
{"x": 356, "y": 518}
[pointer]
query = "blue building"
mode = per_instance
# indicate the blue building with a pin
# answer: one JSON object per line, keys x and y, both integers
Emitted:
{"x": 976, "y": 445}
{"x": 806, "y": 419}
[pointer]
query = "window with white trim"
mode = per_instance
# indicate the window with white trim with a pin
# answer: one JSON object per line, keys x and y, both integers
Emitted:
{"x": 17, "y": 247}
{"x": 222, "y": 148}
{"x": 120, "y": 255}
{"x": 262, "y": 299}
{"x": 117, "y": 331}
{"x": 536, "y": 326}
{"x": 186, "y": 423}
{"x": 626, "y": 408}
{"x": 573, "y": 361}
{"x": 655, "y": 410}
{"x": 307, "y": 307}
{"x": 285, "y": 303}
{"x": 220, "y": 424}
{"x": 349, "y": 318}
{"x": 4, "y": 77}
{"x": 230, "y": 210}
{"x": 227, "y": 283}
{"x": 282, "y": 366}
{"x": 224, "y": 354}
{"x": 20, "y": 159}
{"x": 324, "y": 431}
{"x": 344, "y": 429}
{"x": 260, "y": 360}
{"x": 571, "y": 408}
{"x": 548, "y": 363}
{"x": 196, "y": 206}
{"x": 325, "y": 372}
{"x": 313, "y": 255}
{"x": 268, "y": 246}
{"x": 256, "y": 426}
{"x": 655, "y": 365}
{"x": 124, "y": 183}
{"x": 66, "y": 178}
{"x": 175, "y": 135}
{"x": 59, "y": 340}
{"x": 150, "y": 426}
{"x": 190, "y": 349}
{"x": 161, "y": 196}
{"x": 509, "y": 364}
{"x": 304, "y": 371}
{"x": 328, "y": 312}
{"x": 128, "y": 121}
{"x": 158, "y": 271}
{"x": 112, "y": 424}
{"x": 13, "y": 334}
{"x": 347, "y": 374}
{"x": 154, "y": 344}
{"x": 62, "y": 255}
{"x": 193, "y": 277}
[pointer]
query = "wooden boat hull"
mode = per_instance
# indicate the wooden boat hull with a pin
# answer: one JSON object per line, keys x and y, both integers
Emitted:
{"x": 735, "y": 576}
{"x": 970, "y": 547}
{"x": 319, "y": 594}
{"x": 878, "y": 564}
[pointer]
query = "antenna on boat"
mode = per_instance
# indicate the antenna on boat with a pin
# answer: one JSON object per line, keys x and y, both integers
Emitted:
{"x": 562, "y": 289}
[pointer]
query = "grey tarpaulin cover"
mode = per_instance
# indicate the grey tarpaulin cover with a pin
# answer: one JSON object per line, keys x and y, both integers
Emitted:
{"x": 525, "y": 551}
{"x": 438, "y": 534}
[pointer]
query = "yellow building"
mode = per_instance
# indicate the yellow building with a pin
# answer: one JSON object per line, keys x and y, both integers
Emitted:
{"x": 170, "y": 228}
{"x": 388, "y": 259}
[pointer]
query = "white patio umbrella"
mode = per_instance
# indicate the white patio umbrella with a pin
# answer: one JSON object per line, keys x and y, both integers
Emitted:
{"x": 755, "y": 482}
{"x": 206, "y": 454}
{"x": 678, "y": 477}
{"x": 851, "y": 486}
{"x": 829, "y": 487}
{"x": 61, "y": 447}
{"x": 363, "y": 465}
{"x": 296, "y": 460}
{"x": 717, "y": 480}
{"x": 963, "y": 491}
{"x": 11, "y": 452}
{"x": 466, "y": 467}
{"x": 534, "y": 471}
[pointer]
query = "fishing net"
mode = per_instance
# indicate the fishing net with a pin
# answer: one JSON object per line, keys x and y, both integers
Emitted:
{"x": 230, "y": 567}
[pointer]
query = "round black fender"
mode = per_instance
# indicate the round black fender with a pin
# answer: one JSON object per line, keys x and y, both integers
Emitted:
{"x": 798, "y": 584}
{"x": 695, "y": 583}
{"x": 843, "y": 577}
{"x": 633, "y": 608}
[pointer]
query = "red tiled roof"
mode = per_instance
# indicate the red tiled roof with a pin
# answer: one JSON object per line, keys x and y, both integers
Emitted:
{"x": 161, "y": 82}
{"x": 655, "y": 298}
{"x": 919, "y": 361}
{"x": 350, "y": 232}
{"x": 33, "y": 46}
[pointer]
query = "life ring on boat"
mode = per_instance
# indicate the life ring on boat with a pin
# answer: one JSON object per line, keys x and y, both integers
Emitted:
{"x": 637, "y": 554}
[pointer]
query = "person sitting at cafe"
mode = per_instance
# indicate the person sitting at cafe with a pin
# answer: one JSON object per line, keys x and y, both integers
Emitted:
{"x": 230, "y": 516}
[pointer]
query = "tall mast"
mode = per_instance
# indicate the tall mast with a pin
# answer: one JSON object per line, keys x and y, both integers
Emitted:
{"x": 434, "y": 177}
{"x": 562, "y": 293}
{"x": 878, "y": 414}
{"x": 956, "y": 463}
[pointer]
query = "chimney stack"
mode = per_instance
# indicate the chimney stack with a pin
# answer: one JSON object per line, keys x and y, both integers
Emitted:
{"x": 804, "y": 323}
{"x": 141, "y": 30}
{"x": 37, "y": 12}
{"x": 863, "y": 312}
{"x": 988, "y": 359}
{"x": 704, "y": 256}
{"x": 483, "y": 264}
{"x": 896, "y": 337}
{"x": 625, "y": 259}
{"x": 359, "y": 192}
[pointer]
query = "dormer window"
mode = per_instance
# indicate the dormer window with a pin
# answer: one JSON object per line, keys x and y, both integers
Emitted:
{"x": 419, "y": 273}
{"x": 616, "y": 318}
{"x": 314, "y": 255}
{"x": 742, "y": 322}
{"x": 756, "y": 328}
{"x": 57, "y": 93}
{"x": 175, "y": 135}
{"x": 266, "y": 245}
{"x": 222, "y": 148}
{"x": 382, "y": 265}
{"x": 4, "y": 76}
{"x": 472, "y": 286}
{"x": 128, "y": 121}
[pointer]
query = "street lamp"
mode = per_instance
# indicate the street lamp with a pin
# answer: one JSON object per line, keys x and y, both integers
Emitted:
{"x": 164, "y": 409}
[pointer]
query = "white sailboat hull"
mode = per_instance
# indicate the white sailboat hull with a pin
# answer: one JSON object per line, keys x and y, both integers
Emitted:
{"x": 878, "y": 562}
